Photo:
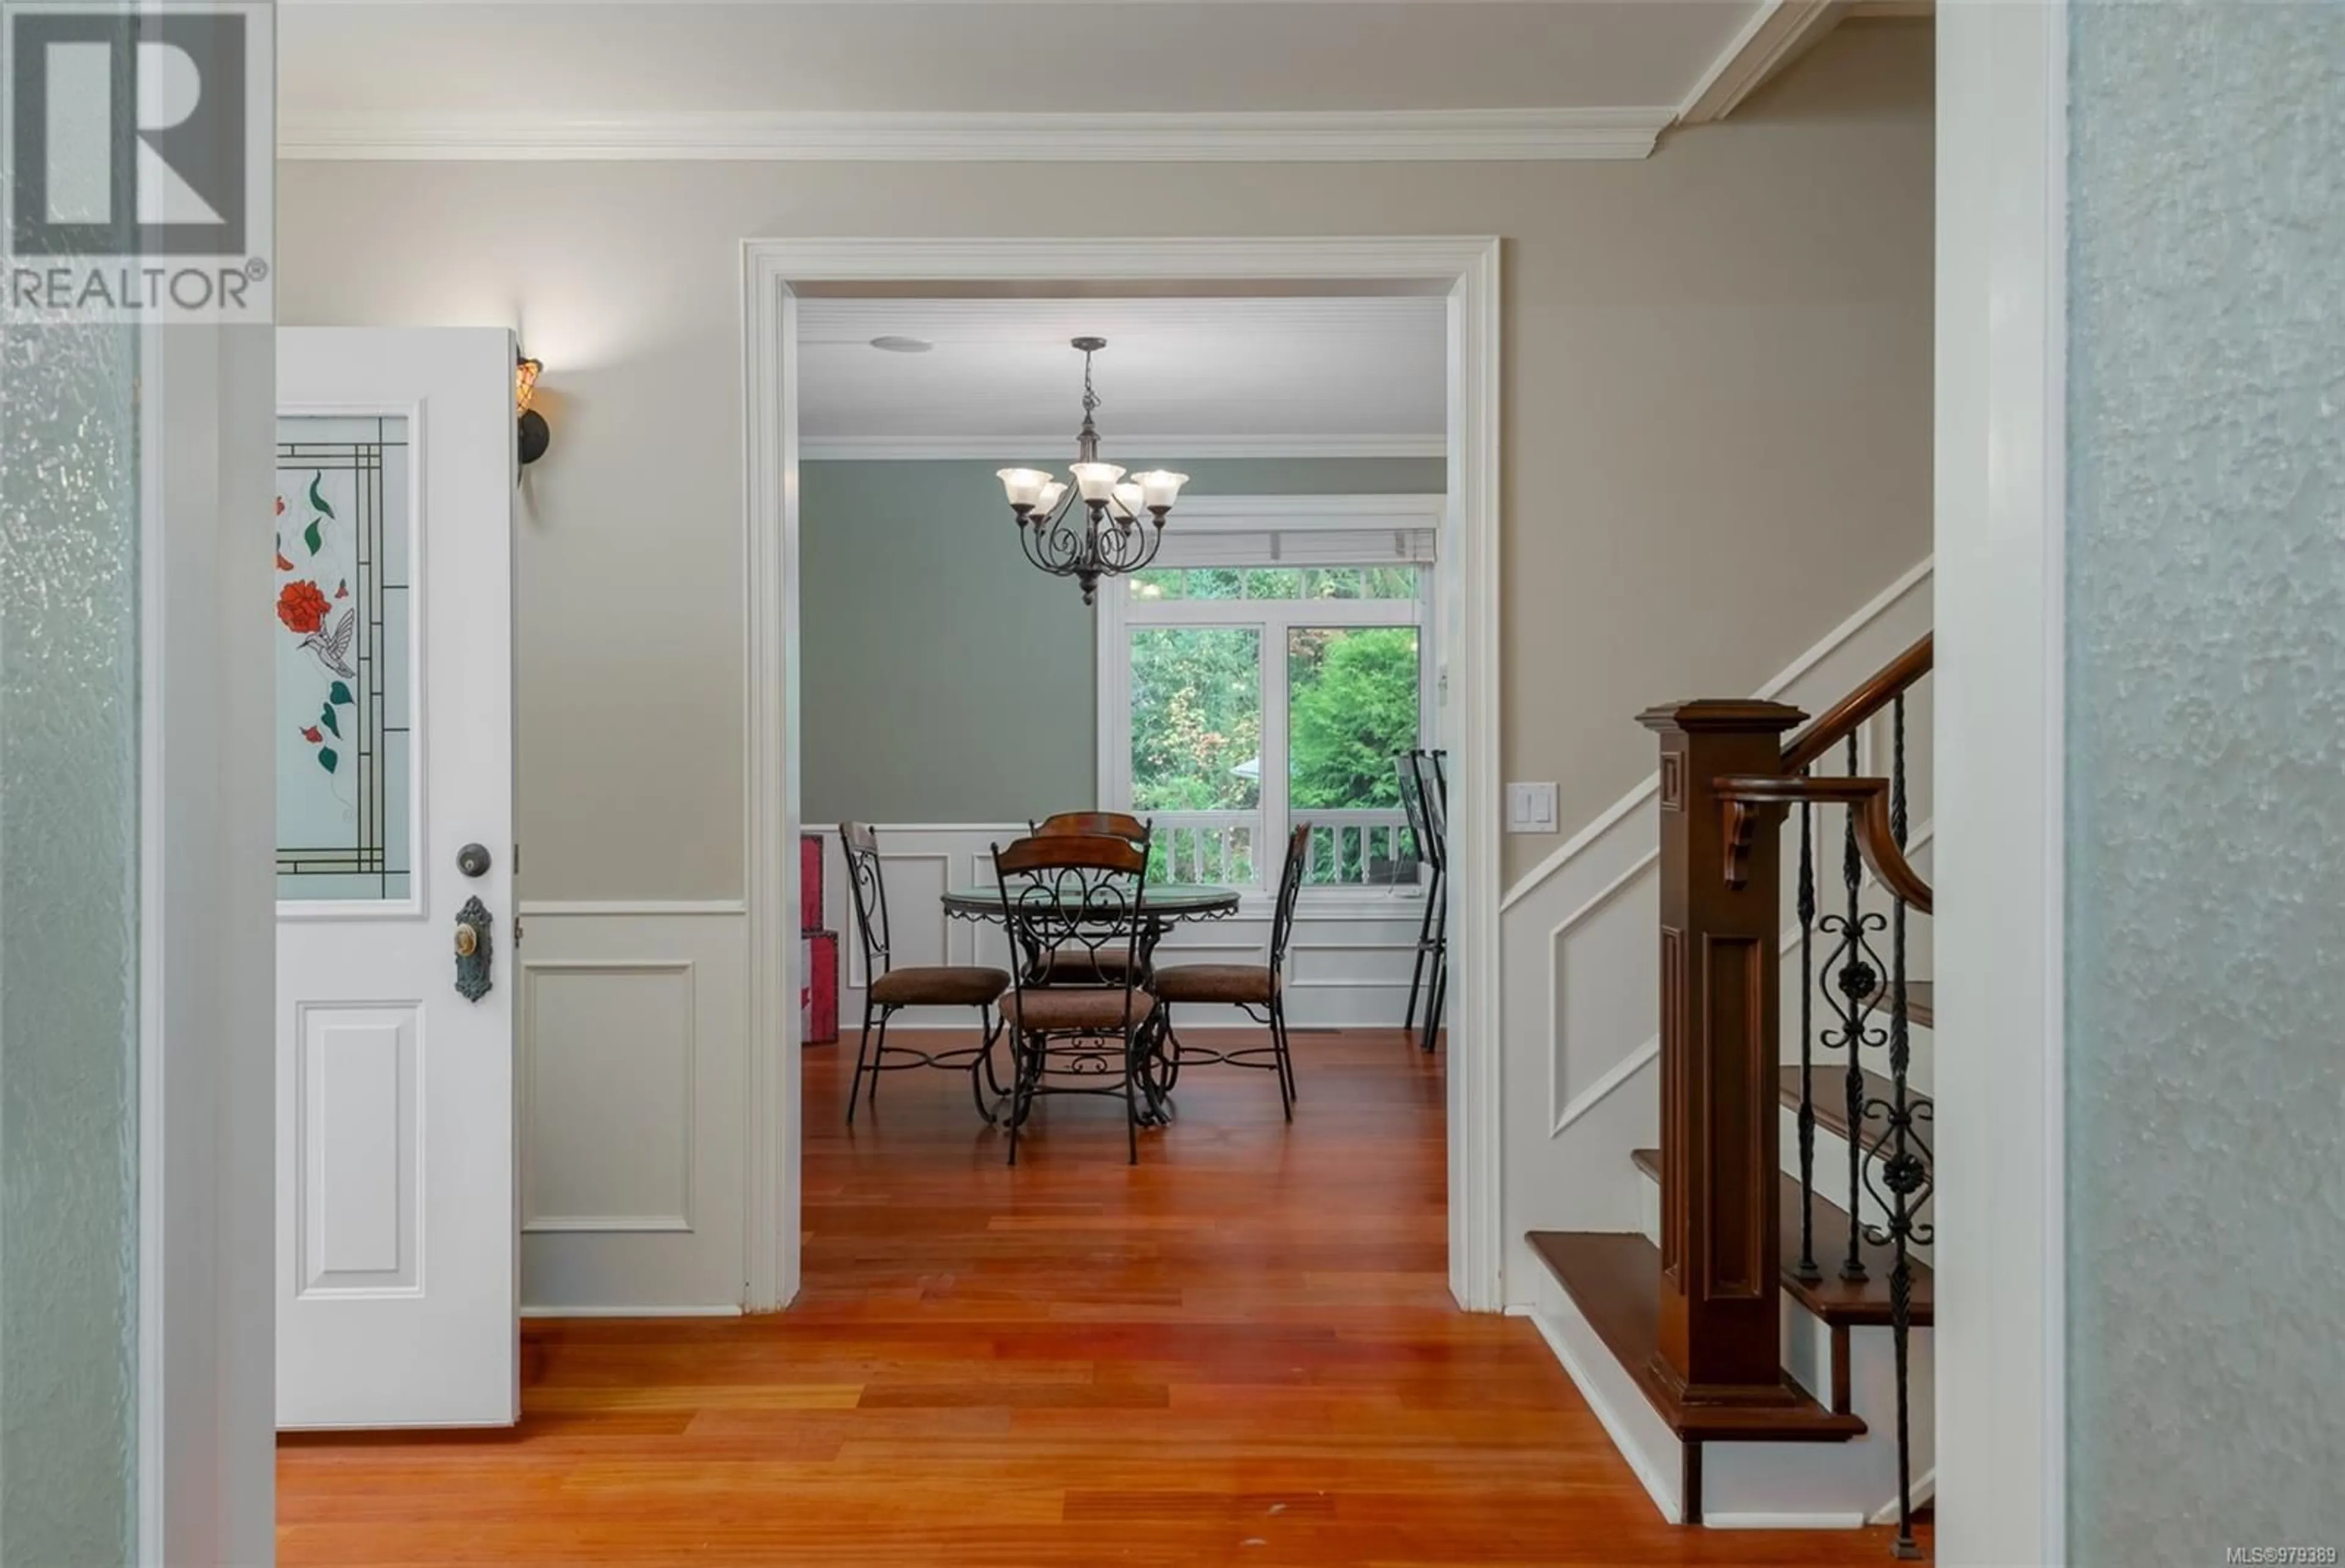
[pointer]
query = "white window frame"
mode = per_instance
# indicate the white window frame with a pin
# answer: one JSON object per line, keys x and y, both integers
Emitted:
{"x": 1277, "y": 532}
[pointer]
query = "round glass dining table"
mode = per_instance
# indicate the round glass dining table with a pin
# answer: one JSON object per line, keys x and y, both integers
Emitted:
{"x": 1164, "y": 905}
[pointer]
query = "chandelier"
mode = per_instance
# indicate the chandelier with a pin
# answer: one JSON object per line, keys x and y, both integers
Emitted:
{"x": 1109, "y": 536}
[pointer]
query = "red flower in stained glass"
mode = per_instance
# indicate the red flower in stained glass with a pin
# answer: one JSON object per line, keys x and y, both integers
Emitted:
{"x": 312, "y": 734}
{"x": 283, "y": 564}
{"x": 303, "y": 607}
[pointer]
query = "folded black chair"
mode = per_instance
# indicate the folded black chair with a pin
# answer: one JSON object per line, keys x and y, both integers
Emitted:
{"x": 1425, "y": 797}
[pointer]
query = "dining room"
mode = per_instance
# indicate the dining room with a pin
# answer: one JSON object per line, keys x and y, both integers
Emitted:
{"x": 1124, "y": 797}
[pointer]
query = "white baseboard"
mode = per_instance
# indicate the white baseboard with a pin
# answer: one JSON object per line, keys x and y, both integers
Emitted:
{"x": 1925, "y": 1491}
{"x": 732, "y": 1310}
{"x": 1603, "y": 1384}
{"x": 1784, "y": 1521}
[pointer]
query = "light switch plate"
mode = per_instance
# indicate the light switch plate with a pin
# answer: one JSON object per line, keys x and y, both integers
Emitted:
{"x": 1531, "y": 808}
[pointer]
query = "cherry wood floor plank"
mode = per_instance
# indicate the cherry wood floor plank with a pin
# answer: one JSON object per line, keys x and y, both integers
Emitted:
{"x": 1241, "y": 1350}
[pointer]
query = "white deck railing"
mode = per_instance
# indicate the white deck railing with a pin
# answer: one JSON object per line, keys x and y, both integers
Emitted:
{"x": 1348, "y": 849}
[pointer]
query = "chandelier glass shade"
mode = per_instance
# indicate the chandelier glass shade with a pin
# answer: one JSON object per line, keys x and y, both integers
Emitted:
{"x": 1103, "y": 523}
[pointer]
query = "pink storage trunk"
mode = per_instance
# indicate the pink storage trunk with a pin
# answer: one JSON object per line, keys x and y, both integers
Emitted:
{"x": 818, "y": 991}
{"x": 811, "y": 881}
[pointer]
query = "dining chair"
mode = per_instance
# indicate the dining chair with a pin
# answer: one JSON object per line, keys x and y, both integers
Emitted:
{"x": 1432, "y": 789}
{"x": 1259, "y": 990}
{"x": 1075, "y": 893}
{"x": 1407, "y": 769}
{"x": 889, "y": 990}
{"x": 1078, "y": 968}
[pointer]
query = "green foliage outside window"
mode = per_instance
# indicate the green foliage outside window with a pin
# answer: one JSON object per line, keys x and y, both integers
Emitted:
{"x": 1353, "y": 697}
{"x": 1351, "y": 706}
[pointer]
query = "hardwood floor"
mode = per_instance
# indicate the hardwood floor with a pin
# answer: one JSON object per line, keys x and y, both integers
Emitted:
{"x": 1243, "y": 1351}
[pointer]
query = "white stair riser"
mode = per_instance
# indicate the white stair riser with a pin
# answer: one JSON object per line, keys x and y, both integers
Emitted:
{"x": 1759, "y": 1485}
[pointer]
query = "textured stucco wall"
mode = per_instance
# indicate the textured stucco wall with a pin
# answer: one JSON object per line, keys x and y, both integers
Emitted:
{"x": 2207, "y": 781}
{"x": 68, "y": 944}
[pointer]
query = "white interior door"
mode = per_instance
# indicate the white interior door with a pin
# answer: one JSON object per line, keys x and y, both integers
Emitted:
{"x": 394, "y": 601}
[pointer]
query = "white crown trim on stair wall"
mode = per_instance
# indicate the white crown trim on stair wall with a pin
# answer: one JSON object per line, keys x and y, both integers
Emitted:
{"x": 1776, "y": 35}
{"x": 1831, "y": 643}
{"x": 1379, "y": 135}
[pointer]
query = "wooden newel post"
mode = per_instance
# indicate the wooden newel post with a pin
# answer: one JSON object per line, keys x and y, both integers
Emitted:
{"x": 1720, "y": 915}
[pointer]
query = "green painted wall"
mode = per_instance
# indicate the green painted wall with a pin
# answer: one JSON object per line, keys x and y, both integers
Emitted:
{"x": 945, "y": 679}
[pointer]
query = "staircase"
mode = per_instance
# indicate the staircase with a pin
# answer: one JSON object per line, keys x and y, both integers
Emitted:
{"x": 1769, "y": 1323}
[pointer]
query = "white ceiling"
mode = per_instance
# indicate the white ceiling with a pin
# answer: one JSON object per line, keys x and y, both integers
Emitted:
{"x": 1179, "y": 378}
{"x": 359, "y": 57}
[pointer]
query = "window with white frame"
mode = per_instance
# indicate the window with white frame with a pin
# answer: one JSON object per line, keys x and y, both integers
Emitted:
{"x": 1268, "y": 677}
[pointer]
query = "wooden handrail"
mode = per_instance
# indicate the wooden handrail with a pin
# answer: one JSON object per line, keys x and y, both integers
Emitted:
{"x": 1868, "y": 798}
{"x": 1840, "y": 721}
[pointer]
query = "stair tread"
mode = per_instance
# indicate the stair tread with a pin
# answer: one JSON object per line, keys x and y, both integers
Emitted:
{"x": 1615, "y": 1281}
{"x": 1920, "y": 1002}
{"x": 1860, "y": 1303}
{"x": 1830, "y": 1081}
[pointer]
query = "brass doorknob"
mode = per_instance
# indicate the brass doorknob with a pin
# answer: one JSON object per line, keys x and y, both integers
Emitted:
{"x": 474, "y": 950}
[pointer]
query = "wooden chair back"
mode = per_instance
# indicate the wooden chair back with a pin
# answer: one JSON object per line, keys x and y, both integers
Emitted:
{"x": 1093, "y": 825}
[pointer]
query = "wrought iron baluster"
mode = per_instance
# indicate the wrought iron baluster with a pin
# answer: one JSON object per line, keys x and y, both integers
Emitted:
{"x": 1907, "y": 1173}
{"x": 1807, "y": 913}
{"x": 1857, "y": 983}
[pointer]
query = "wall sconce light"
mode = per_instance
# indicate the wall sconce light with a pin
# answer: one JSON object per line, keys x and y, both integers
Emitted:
{"x": 535, "y": 435}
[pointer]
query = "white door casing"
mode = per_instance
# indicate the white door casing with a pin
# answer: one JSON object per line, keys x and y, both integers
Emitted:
{"x": 396, "y": 1217}
{"x": 1466, "y": 612}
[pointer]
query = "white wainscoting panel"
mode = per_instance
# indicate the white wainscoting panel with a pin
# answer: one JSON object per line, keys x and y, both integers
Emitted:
{"x": 1348, "y": 965}
{"x": 606, "y": 1102}
{"x": 1580, "y": 969}
{"x": 633, "y": 1093}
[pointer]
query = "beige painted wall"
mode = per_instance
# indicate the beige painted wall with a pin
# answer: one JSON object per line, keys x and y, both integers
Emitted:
{"x": 1718, "y": 423}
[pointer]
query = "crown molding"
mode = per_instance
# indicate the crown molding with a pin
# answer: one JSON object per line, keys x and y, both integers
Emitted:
{"x": 1778, "y": 35}
{"x": 1463, "y": 135}
{"x": 992, "y": 448}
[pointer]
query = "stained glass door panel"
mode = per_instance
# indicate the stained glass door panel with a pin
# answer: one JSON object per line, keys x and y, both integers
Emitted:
{"x": 345, "y": 617}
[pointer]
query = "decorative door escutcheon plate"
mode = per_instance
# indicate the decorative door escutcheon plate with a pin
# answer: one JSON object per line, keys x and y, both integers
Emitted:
{"x": 474, "y": 948}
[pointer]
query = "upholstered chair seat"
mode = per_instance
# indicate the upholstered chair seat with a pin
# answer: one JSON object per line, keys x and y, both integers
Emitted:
{"x": 1065, "y": 1009}
{"x": 1237, "y": 985}
{"x": 958, "y": 986}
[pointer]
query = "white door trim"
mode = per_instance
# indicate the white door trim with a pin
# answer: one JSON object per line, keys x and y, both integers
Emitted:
{"x": 2002, "y": 337}
{"x": 1469, "y": 269}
